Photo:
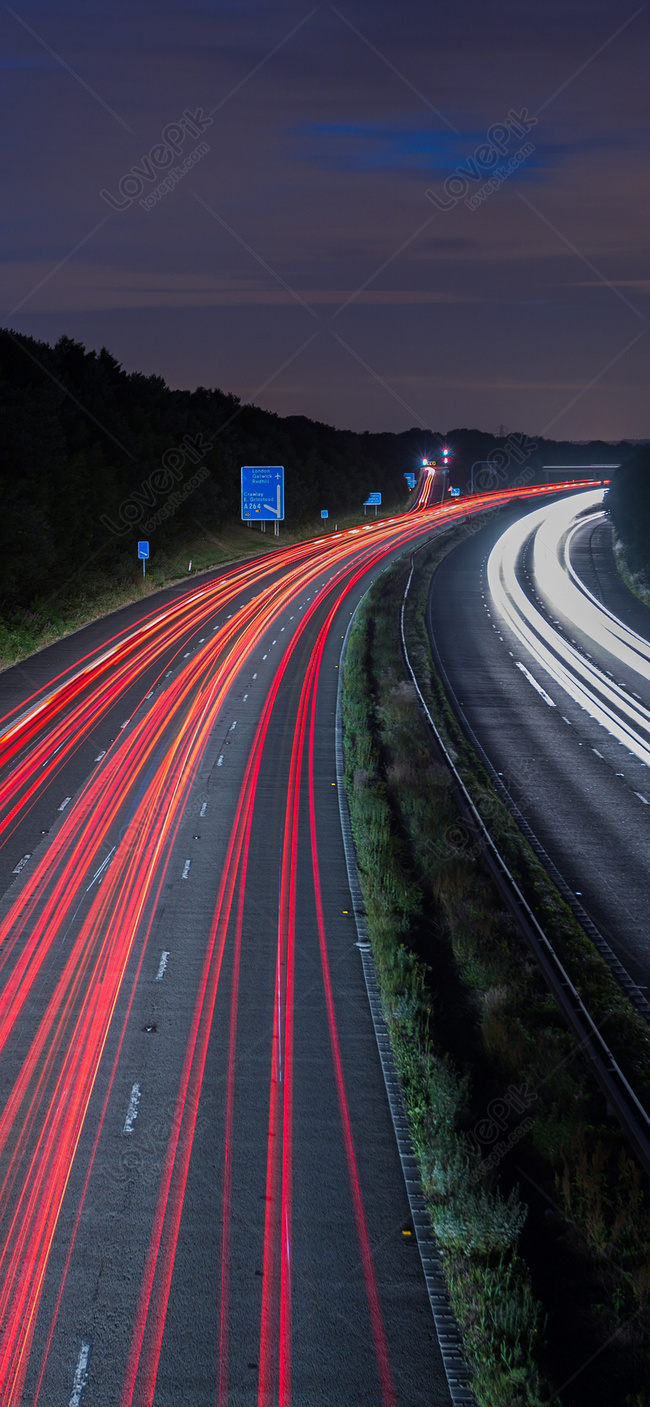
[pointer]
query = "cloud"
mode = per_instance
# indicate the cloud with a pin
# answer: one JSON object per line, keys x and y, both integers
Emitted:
{"x": 373, "y": 146}
{"x": 642, "y": 283}
{"x": 364, "y": 147}
{"x": 83, "y": 288}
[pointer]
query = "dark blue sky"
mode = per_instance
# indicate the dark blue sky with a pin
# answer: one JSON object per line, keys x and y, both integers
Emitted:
{"x": 396, "y": 215}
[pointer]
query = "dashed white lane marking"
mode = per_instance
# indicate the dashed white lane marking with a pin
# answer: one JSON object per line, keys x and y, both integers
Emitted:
{"x": 132, "y": 1111}
{"x": 233, "y": 726}
{"x": 21, "y": 863}
{"x": 220, "y": 762}
{"x": 64, "y": 803}
{"x": 642, "y": 798}
{"x": 254, "y": 676}
{"x": 186, "y": 657}
{"x": 264, "y": 657}
{"x": 80, "y": 1375}
{"x": 148, "y": 696}
{"x": 186, "y": 869}
{"x": 203, "y": 809}
{"x": 124, "y": 725}
{"x": 102, "y": 754}
{"x": 162, "y": 966}
{"x": 244, "y": 698}
{"x": 169, "y": 671}
{"x": 567, "y": 720}
{"x": 283, "y": 628}
{"x": 101, "y": 869}
{"x": 598, "y": 754}
{"x": 274, "y": 642}
{"x": 203, "y": 640}
{"x": 542, "y": 692}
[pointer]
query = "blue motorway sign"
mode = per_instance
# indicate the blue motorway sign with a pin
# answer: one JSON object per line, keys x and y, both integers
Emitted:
{"x": 324, "y": 512}
{"x": 262, "y": 492}
{"x": 410, "y": 479}
{"x": 143, "y": 550}
{"x": 373, "y": 498}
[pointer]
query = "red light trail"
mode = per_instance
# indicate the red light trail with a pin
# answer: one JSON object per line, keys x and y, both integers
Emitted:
{"x": 80, "y": 920}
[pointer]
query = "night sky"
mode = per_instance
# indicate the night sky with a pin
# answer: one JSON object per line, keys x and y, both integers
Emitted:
{"x": 299, "y": 261}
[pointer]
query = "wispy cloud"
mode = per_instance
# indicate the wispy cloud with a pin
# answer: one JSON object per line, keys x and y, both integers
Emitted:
{"x": 405, "y": 146}
{"x": 89, "y": 287}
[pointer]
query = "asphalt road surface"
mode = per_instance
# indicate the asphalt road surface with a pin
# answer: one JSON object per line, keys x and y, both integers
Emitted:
{"x": 559, "y": 707}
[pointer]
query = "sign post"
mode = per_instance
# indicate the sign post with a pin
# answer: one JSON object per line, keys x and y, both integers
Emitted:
{"x": 143, "y": 552}
{"x": 262, "y": 495}
{"x": 372, "y": 501}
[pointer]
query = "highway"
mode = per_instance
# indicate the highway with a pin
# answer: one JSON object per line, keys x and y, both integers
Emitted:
{"x": 548, "y": 658}
{"x": 201, "y": 1197}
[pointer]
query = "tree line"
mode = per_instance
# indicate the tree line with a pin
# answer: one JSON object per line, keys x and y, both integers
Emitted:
{"x": 628, "y": 502}
{"x": 94, "y": 457}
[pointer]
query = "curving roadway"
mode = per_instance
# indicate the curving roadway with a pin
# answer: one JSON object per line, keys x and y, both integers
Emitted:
{"x": 548, "y": 658}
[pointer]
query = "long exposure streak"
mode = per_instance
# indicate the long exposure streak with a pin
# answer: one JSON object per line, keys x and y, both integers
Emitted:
{"x": 75, "y": 929}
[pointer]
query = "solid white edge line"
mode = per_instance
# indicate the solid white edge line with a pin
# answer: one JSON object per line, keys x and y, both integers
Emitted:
{"x": 132, "y": 1109}
{"x": 447, "y": 1330}
{"x": 162, "y": 966}
{"x": 80, "y": 1375}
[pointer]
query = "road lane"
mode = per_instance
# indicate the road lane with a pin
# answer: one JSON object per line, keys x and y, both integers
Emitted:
{"x": 578, "y": 787}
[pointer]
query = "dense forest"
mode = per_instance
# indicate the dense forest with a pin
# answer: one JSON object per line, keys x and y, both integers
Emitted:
{"x": 94, "y": 457}
{"x": 628, "y": 501}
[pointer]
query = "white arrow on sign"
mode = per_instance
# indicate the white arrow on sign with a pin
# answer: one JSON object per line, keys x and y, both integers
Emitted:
{"x": 271, "y": 508}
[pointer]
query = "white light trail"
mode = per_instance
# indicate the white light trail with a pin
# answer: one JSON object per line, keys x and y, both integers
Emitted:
{"x": 608, "y": 703}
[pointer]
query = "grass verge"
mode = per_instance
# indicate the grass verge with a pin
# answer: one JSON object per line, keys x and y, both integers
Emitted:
{"x": 497, "y": 1092}
{"x": 93, "y": 593}
{"x": 636, "y": 582}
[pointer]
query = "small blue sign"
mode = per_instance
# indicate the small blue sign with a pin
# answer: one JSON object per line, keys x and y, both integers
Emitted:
{"x": 373, "y": 500}
{"x": 410, "y": 479}
{"x": 324, "y": 512}
{"x": 454, "y": 493}
{"x": 262, "y": 492}
{"x": 143, "y": 550}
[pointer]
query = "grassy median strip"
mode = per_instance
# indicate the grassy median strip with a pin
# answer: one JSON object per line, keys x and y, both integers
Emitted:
{"x": 499, "y": 1097}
